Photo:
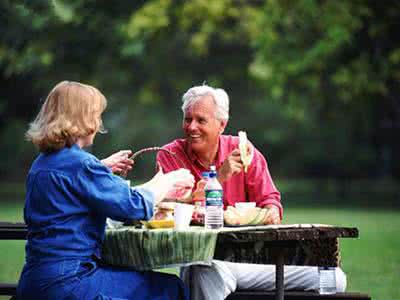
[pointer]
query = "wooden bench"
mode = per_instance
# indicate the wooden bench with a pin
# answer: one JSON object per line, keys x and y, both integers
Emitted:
{"x": 8, "y": 289}
{"x": 11, "y": 231}
{"x": 295, "y": 295}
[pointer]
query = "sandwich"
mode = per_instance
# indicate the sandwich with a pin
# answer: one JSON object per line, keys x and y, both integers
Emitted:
{"x": 164, "y": 211}
{"x": 245, "y": 155}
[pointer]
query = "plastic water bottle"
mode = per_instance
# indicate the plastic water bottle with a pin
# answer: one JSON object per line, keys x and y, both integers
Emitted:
{"x": 327, "y": 280}
{"x": 214, "y": 218}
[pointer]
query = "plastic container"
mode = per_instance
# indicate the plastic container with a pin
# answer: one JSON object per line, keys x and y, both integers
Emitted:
{"x": 214, "y": 218}
{"x": 183, "y": 215}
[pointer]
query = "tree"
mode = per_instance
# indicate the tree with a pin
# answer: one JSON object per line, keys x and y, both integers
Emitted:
{"x": 315, "y": 83}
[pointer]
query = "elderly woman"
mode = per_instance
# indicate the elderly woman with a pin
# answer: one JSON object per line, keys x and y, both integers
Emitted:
{"x": 69, "y": 195}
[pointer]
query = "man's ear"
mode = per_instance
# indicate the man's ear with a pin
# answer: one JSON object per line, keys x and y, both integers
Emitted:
{"x": 223, "y": 125}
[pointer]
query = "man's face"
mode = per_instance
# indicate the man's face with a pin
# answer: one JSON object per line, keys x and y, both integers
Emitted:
{"x": 201, "y": 128}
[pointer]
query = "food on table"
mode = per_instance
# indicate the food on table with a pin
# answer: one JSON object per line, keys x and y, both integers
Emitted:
{"x": 199, "y": 194}
{"x": 198, "y": 215}
{"x": 154, "y": 224}
{"x": 163, "y": 216}
{"x": 164, "y": 211}
{"x": 245, "y": 155}
{"x": 241, "y": 217}
{"x": 232, "y": 216}
{"x": 198, "y": 199}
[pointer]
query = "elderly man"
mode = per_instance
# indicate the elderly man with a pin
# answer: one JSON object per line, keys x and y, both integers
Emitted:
{"x": 206, "y": 114}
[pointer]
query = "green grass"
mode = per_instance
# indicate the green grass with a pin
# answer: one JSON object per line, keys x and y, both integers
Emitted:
{"x": 371, "y": 262}
{"x": 12, "y": 252}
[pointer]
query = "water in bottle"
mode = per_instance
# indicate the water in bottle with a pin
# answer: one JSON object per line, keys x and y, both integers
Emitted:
{"x": 214, "y": 218}
{"x": 327, "y": 280}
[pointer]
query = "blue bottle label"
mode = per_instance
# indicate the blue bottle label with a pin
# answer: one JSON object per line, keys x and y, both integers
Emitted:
{"x": 214, "y": 198}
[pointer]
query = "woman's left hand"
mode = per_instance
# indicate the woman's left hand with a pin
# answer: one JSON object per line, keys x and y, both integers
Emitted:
{"x": 119, "y": 162}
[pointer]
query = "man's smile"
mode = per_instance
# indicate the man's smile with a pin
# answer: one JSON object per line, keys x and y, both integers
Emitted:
{"x": 194, "y": 137}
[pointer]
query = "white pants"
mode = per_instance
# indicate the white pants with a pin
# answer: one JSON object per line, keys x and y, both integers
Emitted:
{"x": 217, "y": 281}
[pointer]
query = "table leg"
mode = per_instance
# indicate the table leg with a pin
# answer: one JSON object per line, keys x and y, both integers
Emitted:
{"x": 279, "y": 278}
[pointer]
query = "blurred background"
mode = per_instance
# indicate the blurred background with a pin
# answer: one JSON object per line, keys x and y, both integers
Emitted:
{"x": 316, "y": 85}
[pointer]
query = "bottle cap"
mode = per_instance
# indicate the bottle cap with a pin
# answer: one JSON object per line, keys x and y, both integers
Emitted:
{"x": 204, "y": 174}
{"x": 213, "y": 172}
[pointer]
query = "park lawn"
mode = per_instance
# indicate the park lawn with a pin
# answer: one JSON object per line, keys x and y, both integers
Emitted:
{"x": 371, "y": 262}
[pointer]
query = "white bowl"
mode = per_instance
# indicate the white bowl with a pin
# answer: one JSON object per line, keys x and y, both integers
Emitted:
{"x": 245, "y": 205}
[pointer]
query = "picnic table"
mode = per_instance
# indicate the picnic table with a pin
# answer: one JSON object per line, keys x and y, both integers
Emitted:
{"x": 307, "y": 244}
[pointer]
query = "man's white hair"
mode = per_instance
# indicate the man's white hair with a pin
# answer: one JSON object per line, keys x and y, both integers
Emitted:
{"x": 219, "y": 96}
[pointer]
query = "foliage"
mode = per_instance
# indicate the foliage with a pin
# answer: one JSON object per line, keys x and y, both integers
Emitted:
{"x": 315, "y": 83}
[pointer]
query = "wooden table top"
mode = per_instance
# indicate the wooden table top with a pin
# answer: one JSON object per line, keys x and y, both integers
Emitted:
{"x": 286, "y": 232}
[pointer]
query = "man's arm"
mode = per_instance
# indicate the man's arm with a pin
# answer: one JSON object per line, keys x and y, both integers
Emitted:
{"x": 261, "y": 188}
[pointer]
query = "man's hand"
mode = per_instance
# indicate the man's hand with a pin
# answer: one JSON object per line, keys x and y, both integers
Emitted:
{"x": 231, "y": 166}
{"x": 119, "y": 162}
{"x": 273, "y": 216}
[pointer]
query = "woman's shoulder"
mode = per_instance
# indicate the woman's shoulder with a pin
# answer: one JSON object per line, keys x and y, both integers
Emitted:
{"x": 65, "y": 160}
{"x": 74, "y": 156}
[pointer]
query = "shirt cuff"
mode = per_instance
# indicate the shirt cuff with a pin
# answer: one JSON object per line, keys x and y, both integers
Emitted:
{"x": 148, "y": 199}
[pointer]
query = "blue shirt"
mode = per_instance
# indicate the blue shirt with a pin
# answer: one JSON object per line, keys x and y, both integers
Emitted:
{"x": 69, "y": 194}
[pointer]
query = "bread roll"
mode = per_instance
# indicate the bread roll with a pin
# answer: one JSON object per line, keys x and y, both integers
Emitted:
{"x": 245, "y": 156}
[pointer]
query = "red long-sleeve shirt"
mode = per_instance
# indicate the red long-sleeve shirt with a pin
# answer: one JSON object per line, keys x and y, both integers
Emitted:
{"x": 256, "y": 185}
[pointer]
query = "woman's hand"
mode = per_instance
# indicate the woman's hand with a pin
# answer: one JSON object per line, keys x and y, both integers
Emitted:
{"x": 166, "y": 185}
{"x": 119, "y": 162}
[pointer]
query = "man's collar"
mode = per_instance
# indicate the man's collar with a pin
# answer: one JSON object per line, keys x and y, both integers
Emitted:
{"x": 194, "y": 158}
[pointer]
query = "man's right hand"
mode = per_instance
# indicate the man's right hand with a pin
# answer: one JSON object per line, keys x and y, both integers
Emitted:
{"x": 231, "y": 166}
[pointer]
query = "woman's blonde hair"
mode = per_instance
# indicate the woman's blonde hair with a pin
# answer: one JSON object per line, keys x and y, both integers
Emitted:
{"x": 71, "y": 110}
